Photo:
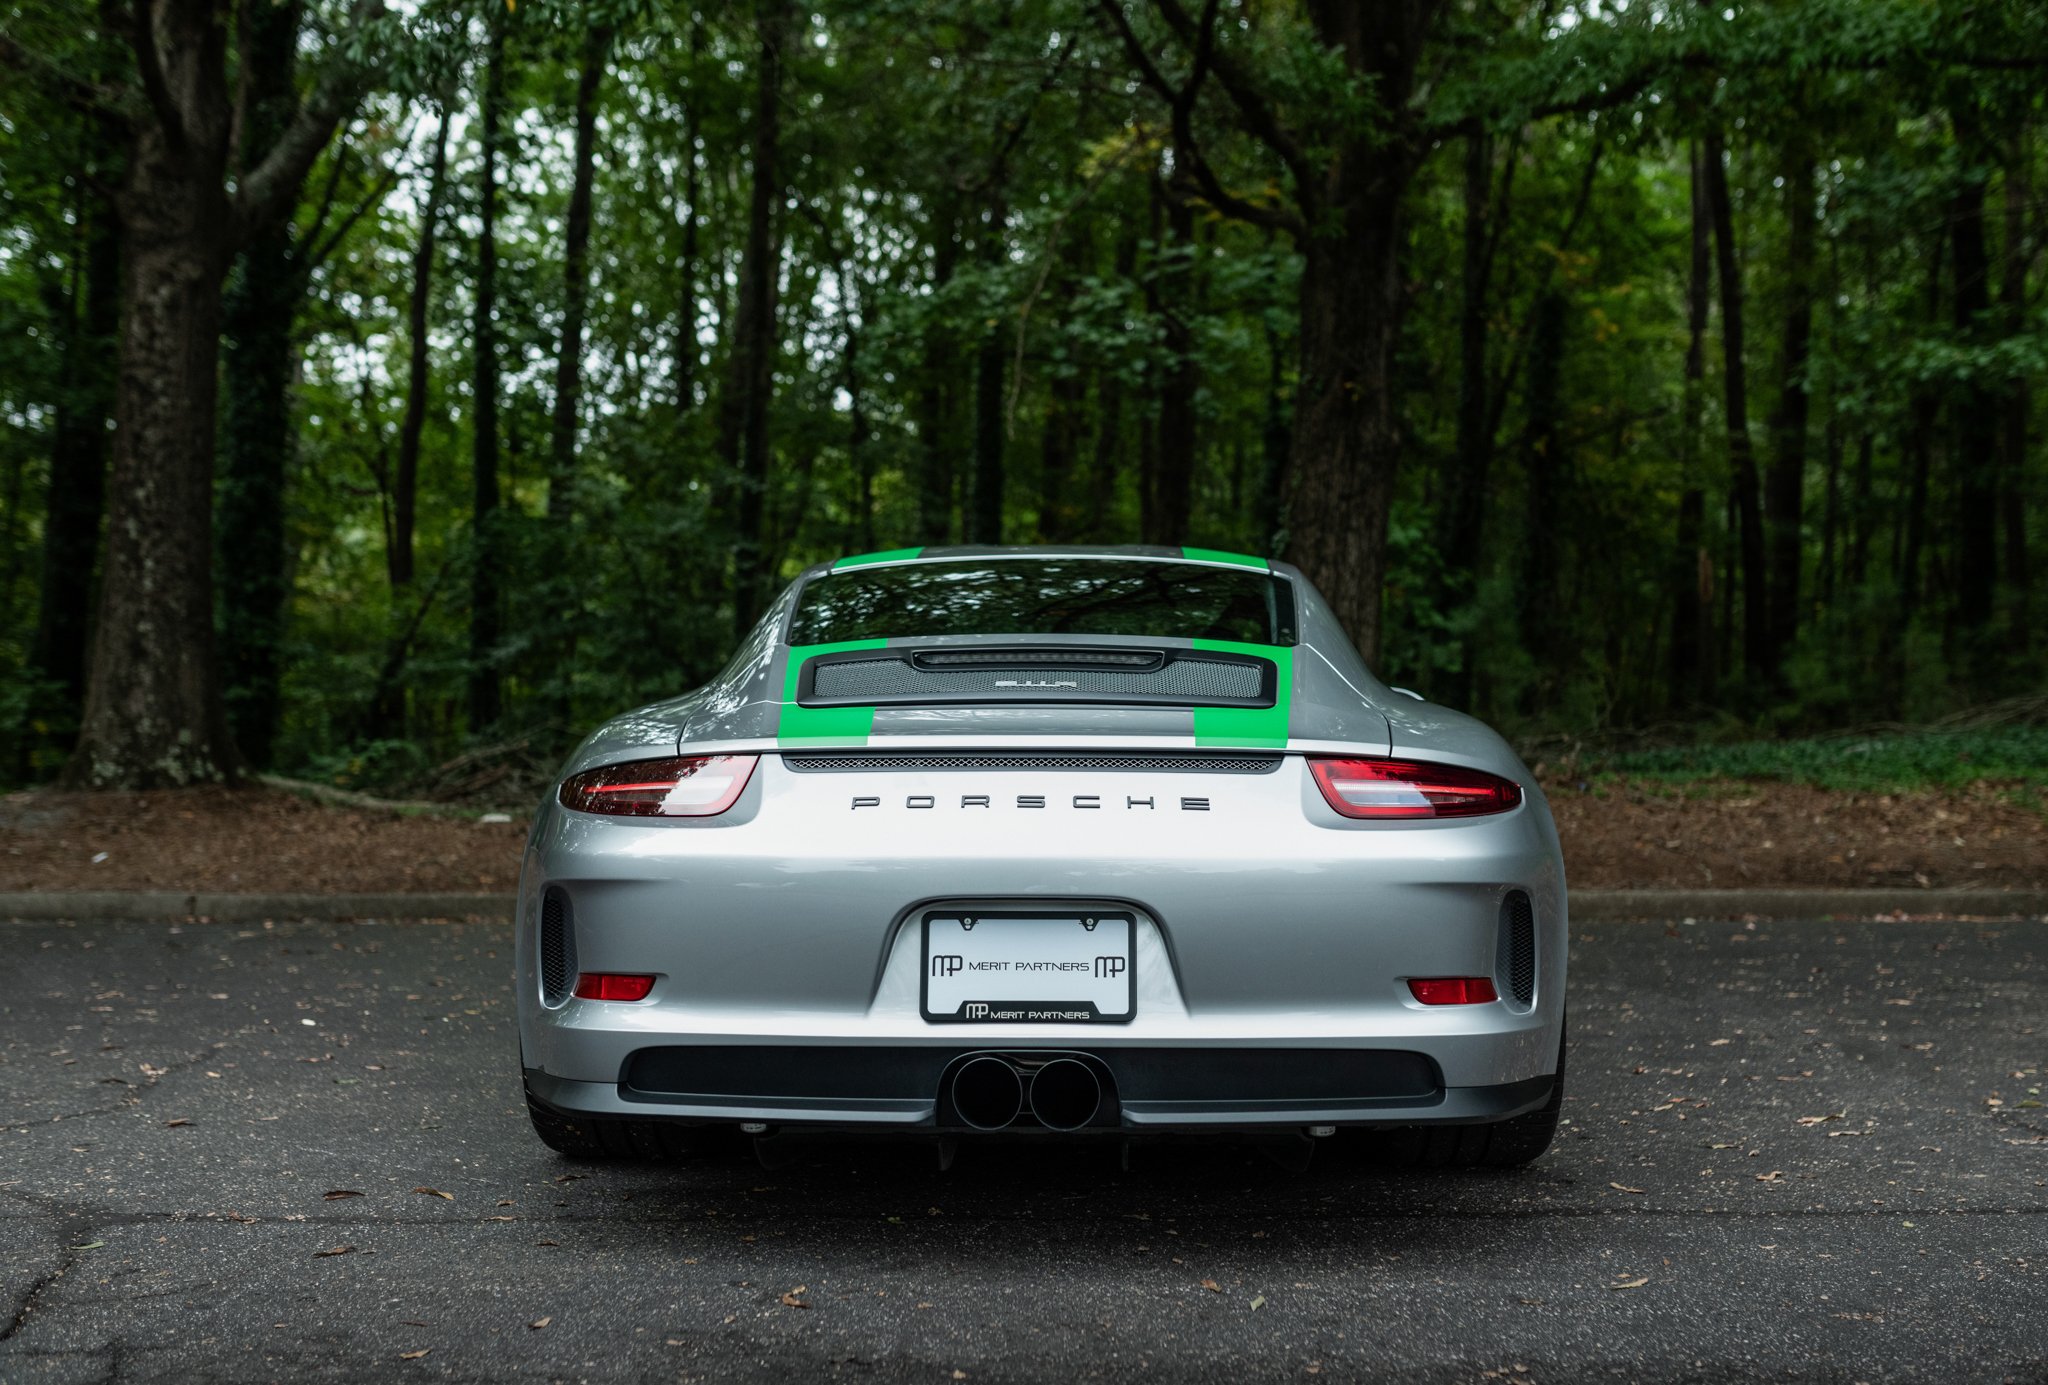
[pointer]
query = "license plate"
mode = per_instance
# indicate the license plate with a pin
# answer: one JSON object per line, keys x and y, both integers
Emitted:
{"x": 1012, "y": 967}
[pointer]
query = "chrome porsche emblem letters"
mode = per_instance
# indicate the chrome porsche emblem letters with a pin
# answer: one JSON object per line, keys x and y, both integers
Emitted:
{"x": 1036, "y": 683}
{"x": 1027, "y": 800}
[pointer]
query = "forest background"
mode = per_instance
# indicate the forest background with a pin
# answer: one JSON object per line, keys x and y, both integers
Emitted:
{"x": 391, "y": 388}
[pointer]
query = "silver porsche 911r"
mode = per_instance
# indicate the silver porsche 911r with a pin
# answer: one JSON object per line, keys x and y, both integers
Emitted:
{"x": 1049, "y": 840}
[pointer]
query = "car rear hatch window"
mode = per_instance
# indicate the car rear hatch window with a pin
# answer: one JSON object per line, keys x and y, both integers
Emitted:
{"x": 1028, "y": 597}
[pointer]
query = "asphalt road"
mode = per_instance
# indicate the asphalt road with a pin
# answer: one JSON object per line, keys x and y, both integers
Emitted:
{"x": 1795, "y": 1151}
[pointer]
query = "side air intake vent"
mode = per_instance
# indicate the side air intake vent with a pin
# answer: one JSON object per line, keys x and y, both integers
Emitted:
{"x": 557, "y": 949}
{"x": 1515, "y": 964}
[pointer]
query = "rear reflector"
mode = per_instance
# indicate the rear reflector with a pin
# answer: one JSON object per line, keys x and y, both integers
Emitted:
{"x": 607, "y": 985}
{"x": 689, "y": 786}
{"x": 1438, "y": 990}
{"x": 1405, "y": 789}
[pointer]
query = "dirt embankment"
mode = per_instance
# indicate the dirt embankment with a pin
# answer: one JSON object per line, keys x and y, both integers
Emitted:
{"x": 1616, "y": 835}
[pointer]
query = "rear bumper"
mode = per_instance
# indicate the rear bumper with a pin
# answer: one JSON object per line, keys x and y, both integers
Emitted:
{"x": 905, "y": 1088}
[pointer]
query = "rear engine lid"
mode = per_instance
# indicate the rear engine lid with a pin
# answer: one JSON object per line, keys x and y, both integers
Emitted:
{"x": 1036, "y": 673}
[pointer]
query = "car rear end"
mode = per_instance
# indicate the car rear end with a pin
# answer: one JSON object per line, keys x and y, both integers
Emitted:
{"x": 1058, "y": 880}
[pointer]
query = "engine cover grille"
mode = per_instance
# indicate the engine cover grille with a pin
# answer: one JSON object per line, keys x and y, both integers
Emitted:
{"x": 967, "y": 676}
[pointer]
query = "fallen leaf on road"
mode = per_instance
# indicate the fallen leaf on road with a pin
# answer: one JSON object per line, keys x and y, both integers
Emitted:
{"x": 337, "y": 1250}
{"x": 792, "y": 1299}
{"x": 959, "y": 1375}
{"x": 501, "y": 1219}
{"x": 1212, "y": 1286}
{"x": 1822, "y": 1120}
{"x": 539, "y": 1323}
{"x": 337, "y": 1194}
{"x": 413, "y": 1355}
{"x": 1630, "y": 1283}
{"x": 179, "y": 1121}
{"x": 1774, "y": 1176}
{"x": 547, "y": 1243}
{"x": 1719, "y": 1043}
{"x": 1258, "y": 1303}
{"x": 89, "y": 1245}
{"x": 436, "y": 1192}
{"x": 1624, "y": 1188}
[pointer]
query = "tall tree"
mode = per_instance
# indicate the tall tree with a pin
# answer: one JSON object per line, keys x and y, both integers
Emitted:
{"x": 1976, "y": 414}
{"x": 562, "y": 477}
{"x": 1348, "y": 189}
{"x": 88, "y": 316}
{"x": 1785, "y": 494}
{"x": 743, "y": 415}
{"x": 406, "y": 475}
{"x": 2012, "y": 299}
{"x": 154, "y": 715}
{"x": 1744, "y": 483}
{"x": 485, "y": 690}
{"x": 1693, "y": 567}
{"x": 259, "y": 357}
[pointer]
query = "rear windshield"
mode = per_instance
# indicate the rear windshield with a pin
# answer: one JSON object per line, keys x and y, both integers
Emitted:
{"x": 1045, "y": 596}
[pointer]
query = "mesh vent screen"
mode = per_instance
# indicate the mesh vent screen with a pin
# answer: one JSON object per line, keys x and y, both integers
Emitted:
{"x": 1208, "y": 764}
{"x": 868, "y": 680}
{"x": 1515, "y": 967}
{"x": 557, "y": 949}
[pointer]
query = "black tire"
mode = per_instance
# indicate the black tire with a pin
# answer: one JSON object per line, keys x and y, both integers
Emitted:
{"x": 621, "y": 1138}
{"x": 1507, "y": 1144}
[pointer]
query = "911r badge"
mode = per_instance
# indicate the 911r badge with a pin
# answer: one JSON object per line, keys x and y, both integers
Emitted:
{"x": 1024, "y": 968}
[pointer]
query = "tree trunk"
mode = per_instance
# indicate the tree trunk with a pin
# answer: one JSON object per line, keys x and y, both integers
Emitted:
{"x": 1276, "y": 435}
{"x": 858, "y": 429}
{"x": 1786, "y": 497}
{"x": 259, "y": 366}
{"x": 1346, "y": 438}
{"x": 743, "y": 440}
{"x": 78, "y": 468}
{"x": 1692, "y": 566}
{"x": 985, "y": 510}
{"x": 1544, "y": 631}
{"x": 154, "y": 716}
{"x": 935, "y": 455}
{"x": 1057, "y": 445}
{"x": 1169, "y": 516}
{"x": 1976, "y": 415}
{"x": 1462, "y": 520}
{"x": 1346, "y": 443}
{"x": 486, "y": 702}
{"x": 597, "y": 47}
{"x": 1860, "y": 511}
{"x": 2012, "y": 297}
{"x": 406, "y": 478}
{"x": 686, "y": 325}
{"x": 1756, "y": 641}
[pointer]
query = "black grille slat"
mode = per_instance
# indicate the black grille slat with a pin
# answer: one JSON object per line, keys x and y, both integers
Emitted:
{"x": 835, "y": 762}
{"x": 1516, "y": 966}
{"x": 557, "y": 949}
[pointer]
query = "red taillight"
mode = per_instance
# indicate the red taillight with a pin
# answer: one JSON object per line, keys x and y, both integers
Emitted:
{"x": 1441, "y": 990}
{"x": 690, "y": 786}
{"x": 1389, "y": 789}
{"x": 607, "y": 985}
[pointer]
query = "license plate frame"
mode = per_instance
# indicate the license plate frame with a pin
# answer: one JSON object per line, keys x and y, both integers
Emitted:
{"x": 1014, "y": 935}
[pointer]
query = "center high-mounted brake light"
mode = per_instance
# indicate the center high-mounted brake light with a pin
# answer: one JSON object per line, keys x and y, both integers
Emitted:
{"x": 689, "y": 786}
{"x": 1385, "y": 789}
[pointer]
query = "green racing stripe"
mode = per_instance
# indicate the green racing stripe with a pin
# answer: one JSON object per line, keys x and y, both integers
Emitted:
{"x": 889, "y": 555}
{"x": 822, "y": 726}
{"x": 1217, "y": 555}
{"x": 1262, "y": 727}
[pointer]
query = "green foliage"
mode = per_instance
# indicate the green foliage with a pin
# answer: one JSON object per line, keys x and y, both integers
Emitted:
{"x": 958, "y": 175}
{"x": 1863, "y": 762}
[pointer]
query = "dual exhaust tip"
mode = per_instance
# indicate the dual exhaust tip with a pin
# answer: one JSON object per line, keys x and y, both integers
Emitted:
{"x": 989, "y": 1093}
